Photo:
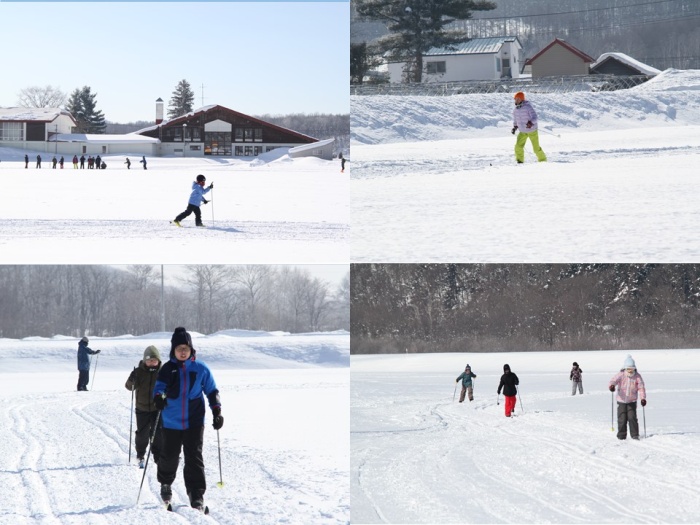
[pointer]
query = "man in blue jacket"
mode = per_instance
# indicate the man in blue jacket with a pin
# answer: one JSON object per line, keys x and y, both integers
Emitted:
{"x": 179, "y": 394}
{"x": 84, "y": 364}
{"x": 196, "y": 199}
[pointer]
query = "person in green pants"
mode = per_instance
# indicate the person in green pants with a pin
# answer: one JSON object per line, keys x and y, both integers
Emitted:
{"x": 525, "y": 121}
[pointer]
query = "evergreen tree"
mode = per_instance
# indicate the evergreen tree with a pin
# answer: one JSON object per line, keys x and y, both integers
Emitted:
{"x": 182, "y": 100}
{"x": 82, "y": 105}
{"x": 415, "y": 26}
{"x": 362, "y": 60}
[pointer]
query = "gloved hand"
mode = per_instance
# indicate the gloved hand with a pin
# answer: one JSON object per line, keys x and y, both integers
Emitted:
{"x": 514, "y": 129}
{"x": 205, "y": 201}
{"x": 132, "y": 376}
{"x": 612, "y": 388}
{"x": 218, "y": 418}
{"x": 160, "y": 402}
{"x": 644, "y": 402}
{"x": 211, "y": 186}
{"x": 528, "y": 125}
{"x": 98, "y": 351}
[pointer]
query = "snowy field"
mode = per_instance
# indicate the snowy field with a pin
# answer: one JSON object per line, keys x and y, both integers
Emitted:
{"x": 64, "y": 455}
{"x": 270, "y": 210}
{"x": 418, "y": 456}
{"x": 435, "y": 179}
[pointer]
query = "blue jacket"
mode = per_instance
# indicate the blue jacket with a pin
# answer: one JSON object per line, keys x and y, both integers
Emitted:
{"x": 83, "y": 359}
{"x": 197, "y": 194}
{"x": 185, "y": 384}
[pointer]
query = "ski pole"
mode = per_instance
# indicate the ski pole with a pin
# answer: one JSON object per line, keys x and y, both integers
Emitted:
{"x": 94, "y": 373}
{"x": 212, "y": 206}
{"x": 131, "y": 422}
{"x": 220, "y": 484}
{"x": 520, "y": 399}
{"x": 455, "y": 392}
{"x": 498, "y": 398}
{"x": 644, "y": 416}
{"x": 150, "y": 446}
{"x": 612, "y": 404}
{"x": 550, "y": 132}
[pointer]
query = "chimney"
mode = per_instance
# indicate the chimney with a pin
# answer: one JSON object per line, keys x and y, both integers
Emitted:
{"x": 159, "y": 110}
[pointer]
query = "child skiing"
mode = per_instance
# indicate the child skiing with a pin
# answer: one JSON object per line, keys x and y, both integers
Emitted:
{"x": 509, "y": 382}
{"x": 142, "y": 381}
{"x": 525, "y": 120}
{"x": 575, "y": 377}
{"x": 179, "y": 393}
{"x": 629, "y": 385}
{"x": 84, "y": 364}
{"x": 196, "y": 199}
{"x": 467, "y": 386}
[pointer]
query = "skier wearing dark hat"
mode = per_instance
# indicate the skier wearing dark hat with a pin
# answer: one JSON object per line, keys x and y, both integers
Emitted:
{"x": 179, "y": 393}
{"x": 467, "y": 386}
{"x": 509, "y": 382}
{"x": 196, "y": 199}
{"x": 142, "y": 381}
{"x": 84, "y": 363}
{"x": 576, "y": 379}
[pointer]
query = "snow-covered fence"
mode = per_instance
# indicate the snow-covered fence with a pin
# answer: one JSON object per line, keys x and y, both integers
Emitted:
{"x": 562, "y": 84}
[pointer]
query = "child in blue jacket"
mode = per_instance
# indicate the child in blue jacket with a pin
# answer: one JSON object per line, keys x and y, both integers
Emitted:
{"x": 179, "y": 394}
{"x": 196, "y": 199}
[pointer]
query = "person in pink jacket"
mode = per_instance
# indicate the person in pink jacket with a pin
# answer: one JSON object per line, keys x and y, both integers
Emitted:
{"x": 525, "y": 122}
{"x": 630, "y": 386}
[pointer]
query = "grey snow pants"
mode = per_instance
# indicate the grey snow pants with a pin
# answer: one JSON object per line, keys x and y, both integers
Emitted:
{"x": 627, "y": 413}
{"x": 574, "y": 384}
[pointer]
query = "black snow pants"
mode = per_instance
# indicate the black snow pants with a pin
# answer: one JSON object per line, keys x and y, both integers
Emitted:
{"x": 191, "y": 208}
{"x": 144, "y": 427}
{"x": 190, "y": 441}
{"x": 627, "y": 413}
{"x": 83, "y": 379}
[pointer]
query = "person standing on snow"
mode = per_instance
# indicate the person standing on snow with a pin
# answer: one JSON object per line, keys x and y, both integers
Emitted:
{"x": 75, "y": 162}
{"x": 509, "y": 382}
{"x": 142, "y": 381}
{"x": 525, "y": 120}
{"x": 575, "y": 376}
{"x": 467, "y": 386}
{"x": 630, "y": 385}
{"x": 128, "y": 163}
{"x": 82, "y": 162}
{"x": 196, "y": 199}
{"x": 342, "y": 162}
{"x": 143, "y": 161}
{"x": 84, "y": 364}
{"x": 26, "y": 162}
{"x": 179, "y": 394}
{"x": 38, "y": 161}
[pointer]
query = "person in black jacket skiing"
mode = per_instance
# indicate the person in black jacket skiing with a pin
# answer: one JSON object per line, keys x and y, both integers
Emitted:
{"x": 509, "y": 383}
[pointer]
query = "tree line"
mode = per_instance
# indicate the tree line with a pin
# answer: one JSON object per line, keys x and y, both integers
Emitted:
{"x": 75, "y": 300}
{"x": 398, "y": 308}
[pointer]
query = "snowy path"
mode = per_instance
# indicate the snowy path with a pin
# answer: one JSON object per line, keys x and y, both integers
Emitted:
{"x": 419, "y": 457}
{"x": 64, "y": 455}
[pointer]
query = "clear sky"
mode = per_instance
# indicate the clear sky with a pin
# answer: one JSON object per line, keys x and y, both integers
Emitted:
{"x": 257, "y": 58}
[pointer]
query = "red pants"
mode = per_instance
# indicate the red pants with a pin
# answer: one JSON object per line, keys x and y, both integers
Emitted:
{"x": 510, "y": 404}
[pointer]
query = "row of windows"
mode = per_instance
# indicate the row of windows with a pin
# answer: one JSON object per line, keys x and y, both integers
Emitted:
{"x": 437, "y": 67}
{"x": 11, "y": 131}
{"x": 175, "y": 134}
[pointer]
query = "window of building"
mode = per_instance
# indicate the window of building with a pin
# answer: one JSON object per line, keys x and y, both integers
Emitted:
{"x": 498, "y": 64}
{"x": 257, "y": 150}
{"x": 239, "y": 151}
{"x": 436, "y": 67}
{"x": 258, "y": 135}
{"x": 238, "y": 135}
{"x": 248, "y": 135}
{"x": 248, "y": 151}
{"x": 11, "y": 131}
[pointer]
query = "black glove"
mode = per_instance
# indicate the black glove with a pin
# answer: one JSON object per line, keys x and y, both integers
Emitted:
{"x": 98, "y": 351}
{"x": 132, "y": 376}
{"x": 612, "y": 388}
{"x": 218, "y": 418}
{"x": 205, "y": 201}
{"x": 513, "y": 130}
{"x": 160, "y": 402}
{"x": 528, "y": 125}
{"x": 211, "y": 186}
{"x": 644, "y": 402}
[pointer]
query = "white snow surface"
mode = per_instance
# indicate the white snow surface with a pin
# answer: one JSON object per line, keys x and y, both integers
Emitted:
{"x": 435, "y": 179}
{"x": 64, "y": 455}
{"x": 269, "y": 209}
{"x": 419, "y": 456}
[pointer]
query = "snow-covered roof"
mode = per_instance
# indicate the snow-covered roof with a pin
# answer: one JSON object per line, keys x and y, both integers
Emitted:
{"x": 129, "y": 138}
{"x": 186, "y": 116}
{"x": 475, "y": 46}
{"x": 628, "y": 60}
{"x": 37, "y": 114}
{"x": 313, "y": 145}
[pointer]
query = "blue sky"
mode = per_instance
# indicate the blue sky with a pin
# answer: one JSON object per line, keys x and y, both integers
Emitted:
{"x": 257, "y": 58}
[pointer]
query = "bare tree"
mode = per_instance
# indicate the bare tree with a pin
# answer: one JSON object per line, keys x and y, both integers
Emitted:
{"x": 41, "y": 97}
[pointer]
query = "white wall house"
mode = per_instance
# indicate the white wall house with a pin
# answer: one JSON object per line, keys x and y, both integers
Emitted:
{"x": 23, "y": 127}
{"x": 476, "y": 59}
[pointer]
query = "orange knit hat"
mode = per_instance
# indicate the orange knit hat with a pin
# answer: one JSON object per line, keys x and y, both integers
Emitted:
{"x": 519, "y": 95}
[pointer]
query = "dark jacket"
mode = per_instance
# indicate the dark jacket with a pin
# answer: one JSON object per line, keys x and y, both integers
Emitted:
{"x": 508, "y": 382}
{"x": 185, "y": 384}
{"x": 83, "y": 359}
{"x": 575, "y": 374}
{"x": 143, "y": 383}
{"x": 466, "y": 378}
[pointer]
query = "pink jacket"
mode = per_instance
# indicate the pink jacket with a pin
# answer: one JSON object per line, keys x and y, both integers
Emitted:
{"x": 628, "y": 387}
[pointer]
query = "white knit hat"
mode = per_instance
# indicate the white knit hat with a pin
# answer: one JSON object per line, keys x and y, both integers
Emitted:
{"x": 629, "y": 362}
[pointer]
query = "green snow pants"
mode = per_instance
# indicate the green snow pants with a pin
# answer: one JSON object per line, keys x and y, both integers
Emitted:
{"x": 520, "y": 146}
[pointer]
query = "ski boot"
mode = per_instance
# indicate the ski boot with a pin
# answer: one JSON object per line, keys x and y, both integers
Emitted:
{"x": 197, "y": 501}
{"x": 166, "y": 494}
{"x": 176, "y": 223}
{"x": 142, "y": 463}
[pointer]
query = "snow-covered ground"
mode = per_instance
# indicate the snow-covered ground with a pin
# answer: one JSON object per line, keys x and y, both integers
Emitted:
{"x": 270, "y": 210}
{"x": 418, "y": 456}
{"x": 64, "y": 455}
{"x": 435, "y": 179}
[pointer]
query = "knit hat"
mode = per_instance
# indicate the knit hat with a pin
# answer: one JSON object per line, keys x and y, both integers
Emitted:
{"x": 575, "y": 363}
{"x": 506, "y": 368}
{"x": 151, "y": 353}
{"x": 467, "y": 367}
{"x": 84, "y": 340}
{"x": 180, "y": 337}
{"x": 519, "y": 95}
{"x": 201, "y": 178}
{"x": 629, "y": 362}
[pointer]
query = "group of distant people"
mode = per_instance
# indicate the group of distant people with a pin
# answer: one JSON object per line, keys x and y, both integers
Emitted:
{"x": 627, "y": 382}
{"x": 79, "y": 163}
